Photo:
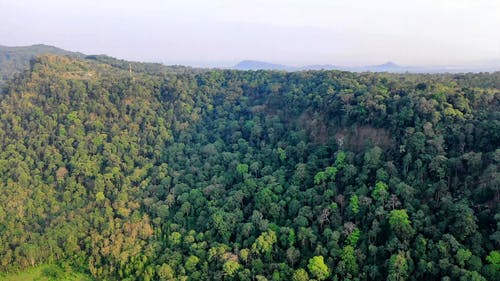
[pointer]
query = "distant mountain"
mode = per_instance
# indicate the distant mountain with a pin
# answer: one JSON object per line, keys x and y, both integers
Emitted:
{"x": 322, "y": 67}
{"x": 261, "y": 65}
{"x": 16, "y": 59}
{"x": 486, "y": 66}
{"x": 386, "y": 67}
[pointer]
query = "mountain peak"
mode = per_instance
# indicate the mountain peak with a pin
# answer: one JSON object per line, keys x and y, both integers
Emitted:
{"x": 389, "y": 64}
{"x": 260, "y": 65}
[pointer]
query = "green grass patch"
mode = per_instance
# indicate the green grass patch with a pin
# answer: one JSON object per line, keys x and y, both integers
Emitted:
{"x": 46, "y": 272}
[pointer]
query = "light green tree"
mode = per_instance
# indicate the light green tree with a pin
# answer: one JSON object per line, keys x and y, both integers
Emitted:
{"x": 400, "y": 223}
{"x": 318, "y": 268}
{"x": 231, "y": 267}
{"x": 264, "y": 243}
{"x": 165, "y": 272}
{"x": 462, "y": 256}
{"x": 300, "y": 275}
{"x": 380, "y": 193}
{"x": 242, "y": 169}
{"x": 494, "y": 259}
{"x": 191, "y": 263}
{"x": 354, "y": 203}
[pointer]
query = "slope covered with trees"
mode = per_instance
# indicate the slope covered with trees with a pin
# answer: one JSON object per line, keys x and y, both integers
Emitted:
{"x": 233, "y": 175}
{"x": 14, "y": 60}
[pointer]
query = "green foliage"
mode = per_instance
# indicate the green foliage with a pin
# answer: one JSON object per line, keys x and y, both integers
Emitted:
{"x": 188, "y": 174}
{"x": 354, "y": 203}
{"x": 331, "y": 172}
{"x": 380, "y": 193}
{"x": 230, "y": 268}
{"x": 99, "y": 197}
{"x": 300, "y": 275}
{"x": 398, "y": 267}
{"x": 47, "y": 272}
{"x": 494, "y": 259}
{"x": 242, "y": 168}
{"x": 318, "y": 268}
{"x": 264, "y": 243}
{"x": 14, "y": 60}
{"x": 354, "y": 237}
{"x": 175, "y": 238}
{"x": 282, "y": 154}
{"x": 472, "y": 276}
{"x": 191, "y": 263}
{"x": 340, "y": 160}
{"x": 348, "y": 264}
{"x": 462, "y": 256}
{"x": 291, "y": 237}
{"x": 400, "y": 223}
{"x": 320, "y": 177}
{"x": 165, "y": 272}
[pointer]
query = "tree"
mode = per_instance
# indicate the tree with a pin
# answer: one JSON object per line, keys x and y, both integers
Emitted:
{"x": 462, "y": 256}
{"x": 319, "y": 178}
{"x": 380, "y": 193}
{"x": 242, "y": 168}
{"x": 292, "y": 255}
{"x": 354, "y": 203}
{"x": 244, "y": 254}
{"x": 398, "y": 267}
{"x": 372, "y": 157}
{"x": 348, "y": 264}
{"x": 300, "y": 275}
{"x": 340, "y": 160}
{"x": 191, "y": 263}
{"x": 331, "y": 172}
{"x": 318, "y": 268}
{"x": 264, "y": 243}
{"x": 472, "y": 276}
{"x": 231, "y": 267}
{"x": 493, "y": 269}
{"x": 99, "y": 197}
{"x": 282, "y": 154}
{"x": 354, "y": 237}
{"x": 400, "y": 223}
{"x": 175, "y": 238}
{"x": 165, "y": 272}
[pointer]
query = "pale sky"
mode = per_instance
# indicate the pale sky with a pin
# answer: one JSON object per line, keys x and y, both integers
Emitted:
{"x": 294, "y": 32}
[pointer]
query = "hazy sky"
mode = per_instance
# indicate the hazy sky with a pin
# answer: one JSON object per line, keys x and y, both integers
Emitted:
{"x": 297, "y": 32}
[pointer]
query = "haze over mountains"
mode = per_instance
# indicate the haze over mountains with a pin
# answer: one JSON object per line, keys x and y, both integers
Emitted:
{"x": 16, "y": 59}
{"x": 486, "y": 66}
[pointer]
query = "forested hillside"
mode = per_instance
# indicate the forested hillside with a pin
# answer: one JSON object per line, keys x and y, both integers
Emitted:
{"x": 249, "y": 175}
{"x": 14, "y": 60}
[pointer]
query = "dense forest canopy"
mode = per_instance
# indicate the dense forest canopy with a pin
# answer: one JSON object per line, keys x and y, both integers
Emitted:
{"x": 249, "y": 175}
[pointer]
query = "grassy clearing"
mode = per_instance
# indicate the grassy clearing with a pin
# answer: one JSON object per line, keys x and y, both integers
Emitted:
{"x": 45, "y": 273}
